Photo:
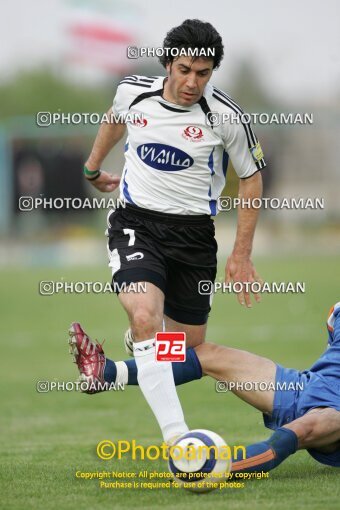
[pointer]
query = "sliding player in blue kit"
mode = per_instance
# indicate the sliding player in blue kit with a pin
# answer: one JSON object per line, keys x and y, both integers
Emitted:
{"x": 176, "y": 159}
{"x": 302, "y": 407}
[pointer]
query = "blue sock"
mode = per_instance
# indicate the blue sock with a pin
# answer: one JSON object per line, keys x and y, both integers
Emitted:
{"x": 268, "y": 454}
{"x": 184, "y": 372}
{"x": 110, "y": 371}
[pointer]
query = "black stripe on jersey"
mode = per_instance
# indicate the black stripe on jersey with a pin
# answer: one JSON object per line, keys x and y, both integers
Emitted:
{"x": 237, "y": 109}
{"x": 147, "y": 80}
{"x": 260, "y": 164}
{"x": 134, "y": 77}
{"x": 250, "y": 142}
{"x": 172, "y": 109}
{"x": 223, "y": 94}
{"x": 251, "y": 137}
{"x": 134, "y": 83}
{"x": 145, "y": 95}
{"x": 206, "y": 110}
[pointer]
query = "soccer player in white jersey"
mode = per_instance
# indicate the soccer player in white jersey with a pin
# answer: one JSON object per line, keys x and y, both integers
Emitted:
{"x": 176, "y": 158}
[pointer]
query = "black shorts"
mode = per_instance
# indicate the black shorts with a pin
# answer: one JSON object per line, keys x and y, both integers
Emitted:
{"x": 174, "y": 252}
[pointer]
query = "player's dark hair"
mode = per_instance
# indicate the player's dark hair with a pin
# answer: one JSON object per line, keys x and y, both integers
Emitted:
{"x": 193, "y": 33}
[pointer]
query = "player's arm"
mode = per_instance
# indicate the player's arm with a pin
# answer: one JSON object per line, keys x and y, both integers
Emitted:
{"x": 239, "y": 266}
{"x": 246, "y": 155}
{"x": 108, "y": 136}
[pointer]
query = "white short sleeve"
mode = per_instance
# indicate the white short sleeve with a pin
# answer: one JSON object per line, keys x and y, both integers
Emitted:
{"x": 243, "y": 148}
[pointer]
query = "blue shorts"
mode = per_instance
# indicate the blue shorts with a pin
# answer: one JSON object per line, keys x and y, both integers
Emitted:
{"x": 298, "y": 392}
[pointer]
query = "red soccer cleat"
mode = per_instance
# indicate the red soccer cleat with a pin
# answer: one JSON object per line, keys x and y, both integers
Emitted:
{"x": 89, "y": 357}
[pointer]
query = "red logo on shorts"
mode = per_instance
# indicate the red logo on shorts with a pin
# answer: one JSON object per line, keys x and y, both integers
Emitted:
{"x": 170, "y": 346}
{"x": 193, "y": 133}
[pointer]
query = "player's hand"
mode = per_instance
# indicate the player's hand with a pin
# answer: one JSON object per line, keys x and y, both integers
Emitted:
{"x": 333, "y": 313}
{"x": 106, "y": 182}
{"x": 241, "y": 269}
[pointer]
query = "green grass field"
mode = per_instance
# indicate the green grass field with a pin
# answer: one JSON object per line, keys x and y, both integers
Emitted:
{"x": 46, "y": 438}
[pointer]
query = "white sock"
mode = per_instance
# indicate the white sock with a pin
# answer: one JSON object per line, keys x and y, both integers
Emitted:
{"x": 156, "y": 381}
{"x": 122, "y": 376}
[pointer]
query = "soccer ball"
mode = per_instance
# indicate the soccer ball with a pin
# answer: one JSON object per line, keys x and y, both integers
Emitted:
{"x": 199, "y": 460}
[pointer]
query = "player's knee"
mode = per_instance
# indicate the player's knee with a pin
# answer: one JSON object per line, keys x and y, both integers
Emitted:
{"x": 145, "y": 323}
{"x": 306, "y": 429}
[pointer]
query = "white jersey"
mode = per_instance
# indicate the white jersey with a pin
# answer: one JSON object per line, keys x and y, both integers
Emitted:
{"x": 176, "y": 157}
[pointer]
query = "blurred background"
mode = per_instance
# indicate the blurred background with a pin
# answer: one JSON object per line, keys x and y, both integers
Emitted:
{"x": 69, "y": 55}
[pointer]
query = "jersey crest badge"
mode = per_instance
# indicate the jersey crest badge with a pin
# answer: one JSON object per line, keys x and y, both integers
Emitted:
{"x": 193, "y": 133}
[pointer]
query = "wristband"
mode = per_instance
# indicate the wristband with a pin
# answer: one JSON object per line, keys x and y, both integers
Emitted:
{"x": 91, "y": 175}
{"x": 94, "y": 177}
